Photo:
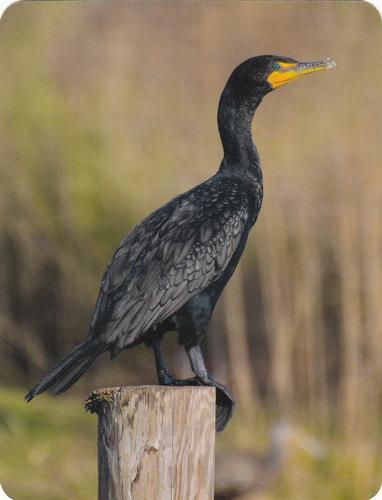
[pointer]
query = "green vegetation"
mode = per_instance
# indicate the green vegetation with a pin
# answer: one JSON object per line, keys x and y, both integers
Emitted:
{"x": 48, "y": 449}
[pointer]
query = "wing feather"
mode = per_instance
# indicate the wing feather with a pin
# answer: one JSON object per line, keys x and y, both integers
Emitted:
{"x": 166, "y": 260}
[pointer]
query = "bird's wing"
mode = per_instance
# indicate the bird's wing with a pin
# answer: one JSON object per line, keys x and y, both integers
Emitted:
{"x": 167, "y": 259}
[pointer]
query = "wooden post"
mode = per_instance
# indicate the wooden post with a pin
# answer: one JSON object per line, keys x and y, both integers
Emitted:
{"x": 155, "y": 442}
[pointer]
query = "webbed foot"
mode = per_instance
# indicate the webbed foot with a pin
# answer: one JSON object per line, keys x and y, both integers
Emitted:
{"x": 225, "y": 403}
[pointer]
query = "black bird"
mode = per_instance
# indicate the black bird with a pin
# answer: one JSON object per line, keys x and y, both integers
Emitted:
{"x": 170, "y": 270}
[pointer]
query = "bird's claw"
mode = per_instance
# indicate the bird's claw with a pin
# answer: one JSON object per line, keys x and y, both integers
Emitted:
{"x": 225, "y": 403}
{"x": 165, "y": 378}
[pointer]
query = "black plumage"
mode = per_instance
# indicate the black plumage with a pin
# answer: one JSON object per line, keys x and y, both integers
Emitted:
{"x": 170, "y": 270}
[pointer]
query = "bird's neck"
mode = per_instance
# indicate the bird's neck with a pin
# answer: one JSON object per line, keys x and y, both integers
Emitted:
{"x": 235, "y": 118}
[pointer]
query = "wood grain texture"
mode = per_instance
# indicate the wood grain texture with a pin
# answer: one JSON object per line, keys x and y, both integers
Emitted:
{"x": 155, "y": 442}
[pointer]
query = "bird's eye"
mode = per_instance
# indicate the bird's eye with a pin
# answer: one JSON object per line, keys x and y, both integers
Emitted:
{"x": 276, "y": 66}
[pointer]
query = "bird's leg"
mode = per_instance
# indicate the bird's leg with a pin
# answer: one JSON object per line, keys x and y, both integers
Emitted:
{"x": 164, "y": 376}
{"x": 224, "y": 401}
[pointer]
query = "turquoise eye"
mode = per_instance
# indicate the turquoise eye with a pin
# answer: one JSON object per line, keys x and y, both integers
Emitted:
{"x": 276, "y": 66}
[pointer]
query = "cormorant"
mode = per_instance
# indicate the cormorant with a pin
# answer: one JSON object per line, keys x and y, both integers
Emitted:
{"x": 170, "y": 270}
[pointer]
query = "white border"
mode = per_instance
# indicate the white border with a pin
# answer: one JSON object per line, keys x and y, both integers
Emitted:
{"x": 3, "y": 495}
{"x": 378, "y": 495}
{"x": 377, "y": 4}
{"x": 4, "y": 4}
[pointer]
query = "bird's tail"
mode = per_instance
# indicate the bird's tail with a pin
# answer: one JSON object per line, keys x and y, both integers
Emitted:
{"x": 69, "y": 370}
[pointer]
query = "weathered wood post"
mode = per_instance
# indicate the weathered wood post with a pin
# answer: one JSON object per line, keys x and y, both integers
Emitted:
{"x": 155, "y": 442}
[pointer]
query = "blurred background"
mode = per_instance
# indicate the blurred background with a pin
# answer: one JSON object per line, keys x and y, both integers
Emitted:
{"x": 107, "y": 111}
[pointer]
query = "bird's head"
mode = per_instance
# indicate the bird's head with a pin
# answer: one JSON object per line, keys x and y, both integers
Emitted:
{"x": 259, "y": 75}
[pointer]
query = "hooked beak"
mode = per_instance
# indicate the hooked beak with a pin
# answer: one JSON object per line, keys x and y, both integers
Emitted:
{"x": 290, "y": 71}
